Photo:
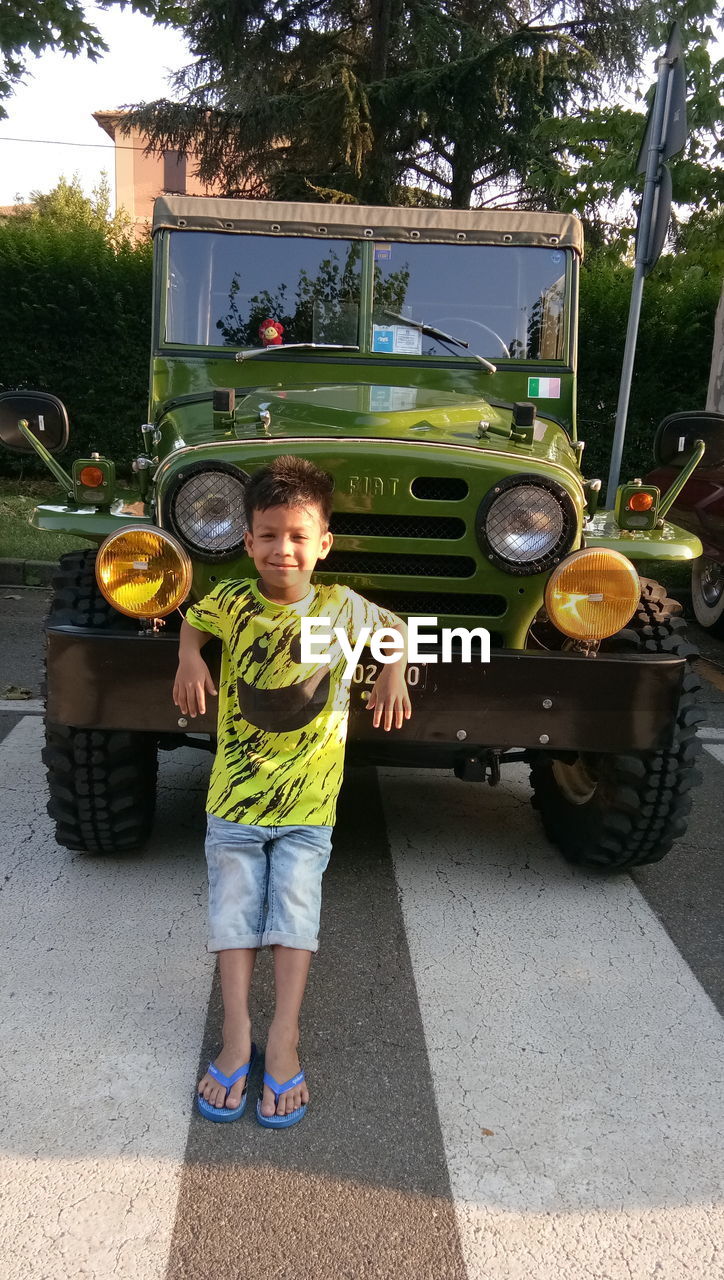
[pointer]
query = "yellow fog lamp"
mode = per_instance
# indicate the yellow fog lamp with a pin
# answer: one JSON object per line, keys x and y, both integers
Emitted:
{"x": 592, "y": 594}
{"x": 143, "y": 572}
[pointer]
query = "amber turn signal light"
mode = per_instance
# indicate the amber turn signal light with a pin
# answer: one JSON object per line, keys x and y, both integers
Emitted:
{"x": 640, "y": 501}
{"x": 143, "y": 571}
{"x": 592, "y": 594}
{"x": 91, "y": 477}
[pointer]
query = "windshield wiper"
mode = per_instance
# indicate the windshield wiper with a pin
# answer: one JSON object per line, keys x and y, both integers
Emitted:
{"x": 432, "y": 332}
{"x": 294, "y": 346}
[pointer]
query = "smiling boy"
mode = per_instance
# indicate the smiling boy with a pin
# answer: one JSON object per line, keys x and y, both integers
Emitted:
{"x": 277, "y": 771}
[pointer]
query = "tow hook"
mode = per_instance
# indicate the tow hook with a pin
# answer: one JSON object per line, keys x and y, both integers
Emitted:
{"x": 476, "y": 766}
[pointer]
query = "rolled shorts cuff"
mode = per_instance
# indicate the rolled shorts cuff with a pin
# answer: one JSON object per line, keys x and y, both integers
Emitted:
{"x": 232, "y": 944}
{"x": 274, "y": 938}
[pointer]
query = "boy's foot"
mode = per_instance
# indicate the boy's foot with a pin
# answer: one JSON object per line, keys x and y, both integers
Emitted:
{"x": 232, "y": 1056}
{"x": 282, "y": 1062}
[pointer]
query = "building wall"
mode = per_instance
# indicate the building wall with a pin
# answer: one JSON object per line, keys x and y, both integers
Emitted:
{"x": 140, "y": 178}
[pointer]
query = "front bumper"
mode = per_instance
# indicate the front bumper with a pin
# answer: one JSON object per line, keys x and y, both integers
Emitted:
{"x": 532, "y": 700}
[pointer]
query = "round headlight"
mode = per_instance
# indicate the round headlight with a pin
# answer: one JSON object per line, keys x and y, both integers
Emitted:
{"x": 526, "y": 524}
{"x": 143, "y": 572}
{"x": 593, "y": 594}
{"x": 206, "y": 509}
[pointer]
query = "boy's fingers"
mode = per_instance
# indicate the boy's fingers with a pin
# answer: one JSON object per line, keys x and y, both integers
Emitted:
{"x": 179, "y": 698}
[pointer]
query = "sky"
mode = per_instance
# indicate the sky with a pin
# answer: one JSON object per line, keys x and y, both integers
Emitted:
{"x": 52, "y": 111}
{"x": 57, "y": 103}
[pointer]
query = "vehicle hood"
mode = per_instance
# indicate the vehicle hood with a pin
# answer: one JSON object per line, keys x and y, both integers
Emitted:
{"x": 369, "y": 411}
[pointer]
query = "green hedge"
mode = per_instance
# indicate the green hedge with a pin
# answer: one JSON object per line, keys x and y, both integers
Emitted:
{"x": 673, "y": 354}
{"x": 75, "y": 320}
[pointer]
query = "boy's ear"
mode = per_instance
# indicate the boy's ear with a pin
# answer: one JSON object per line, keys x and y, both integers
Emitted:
{"x": 248, "y": 540}
{"x": 325, "y": 545}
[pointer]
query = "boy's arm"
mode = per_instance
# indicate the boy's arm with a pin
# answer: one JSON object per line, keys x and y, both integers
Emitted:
{"x": 390, "y": 696}
{"x": 193, "y": 678}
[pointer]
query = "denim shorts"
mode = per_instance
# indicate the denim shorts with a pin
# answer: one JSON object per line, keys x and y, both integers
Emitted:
{"x": 265, "y": 884}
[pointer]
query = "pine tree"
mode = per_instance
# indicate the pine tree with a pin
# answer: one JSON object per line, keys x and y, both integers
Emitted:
{"x": 337, "y": 100}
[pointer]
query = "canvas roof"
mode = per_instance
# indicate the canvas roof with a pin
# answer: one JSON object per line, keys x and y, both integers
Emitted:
{"x": 344, "y": 221}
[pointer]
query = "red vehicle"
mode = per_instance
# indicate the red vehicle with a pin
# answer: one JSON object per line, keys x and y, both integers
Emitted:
{"x": 699, "y": 507}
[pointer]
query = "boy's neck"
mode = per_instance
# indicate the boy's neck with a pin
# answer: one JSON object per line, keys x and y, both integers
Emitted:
{"x": 286, "y": 595}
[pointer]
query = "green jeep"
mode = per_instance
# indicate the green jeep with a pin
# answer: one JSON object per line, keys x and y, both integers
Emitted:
{"x": 427, "y": 359}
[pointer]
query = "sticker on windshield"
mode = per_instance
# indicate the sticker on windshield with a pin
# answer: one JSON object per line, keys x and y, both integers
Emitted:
{"x": 408, "y": 341}
{"x": 382, "y": 337}
{"x": 399, "y": 339}
{"x": 544, "y": 388}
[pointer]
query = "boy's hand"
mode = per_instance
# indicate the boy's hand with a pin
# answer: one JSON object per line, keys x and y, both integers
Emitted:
{"x": 389, "y": 697}
{"x": 193, "y": 681}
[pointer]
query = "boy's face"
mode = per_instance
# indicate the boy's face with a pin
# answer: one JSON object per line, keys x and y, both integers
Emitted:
{"x": 285, "y": 544}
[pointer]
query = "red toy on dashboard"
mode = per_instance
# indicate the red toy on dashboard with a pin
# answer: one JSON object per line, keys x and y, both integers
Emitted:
{"x": 270, "y": 332}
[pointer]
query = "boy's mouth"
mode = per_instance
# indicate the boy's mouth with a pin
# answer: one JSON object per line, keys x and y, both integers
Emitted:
{"x": 283, "y": 710}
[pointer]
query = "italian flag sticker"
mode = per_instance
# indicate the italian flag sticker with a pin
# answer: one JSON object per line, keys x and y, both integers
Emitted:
{"x": 544, "y": 388}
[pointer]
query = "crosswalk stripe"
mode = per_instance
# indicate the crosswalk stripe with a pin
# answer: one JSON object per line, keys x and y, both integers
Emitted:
{"x": 576, "y": 1061}
{"x": 715, "y": 750}
{"x": 102, "y": 1015}
{"x": 710, "y": 733}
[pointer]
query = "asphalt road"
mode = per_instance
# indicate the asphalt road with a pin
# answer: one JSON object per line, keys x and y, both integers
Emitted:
{"x": 515, "y": 1066}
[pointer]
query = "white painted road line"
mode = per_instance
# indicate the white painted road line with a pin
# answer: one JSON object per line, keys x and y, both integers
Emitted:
{"x": 577, "y": 1062}
{"x": 716, "y": 751}
{"x": 106, "y": 990}
{"x": 23, "y": 706}
{"x": 711, "y": 734}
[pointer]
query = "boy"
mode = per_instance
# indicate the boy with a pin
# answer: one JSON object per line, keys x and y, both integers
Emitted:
{"x": 277, "y": 770}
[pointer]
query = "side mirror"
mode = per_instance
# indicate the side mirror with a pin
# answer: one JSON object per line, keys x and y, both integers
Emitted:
{"x": 44, "y": 414}
{"x": 677, "y": 434}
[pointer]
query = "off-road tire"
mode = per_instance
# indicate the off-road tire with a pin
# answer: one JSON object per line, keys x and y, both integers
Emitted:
{"x": 640, "y": 801}
{"x": 102, "y": 783}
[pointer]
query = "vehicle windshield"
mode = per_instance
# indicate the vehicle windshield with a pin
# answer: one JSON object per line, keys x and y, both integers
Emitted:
{"x": 505, "y": 303}
{"x": 247, "y": 291}
{"x": 222, "y": 289}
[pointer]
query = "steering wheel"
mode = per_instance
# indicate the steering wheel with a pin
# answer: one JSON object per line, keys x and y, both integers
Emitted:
{"x": 478, "y": 324}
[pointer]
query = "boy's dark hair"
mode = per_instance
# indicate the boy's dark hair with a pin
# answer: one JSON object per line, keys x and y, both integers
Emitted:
{"x": 290, "y": 482}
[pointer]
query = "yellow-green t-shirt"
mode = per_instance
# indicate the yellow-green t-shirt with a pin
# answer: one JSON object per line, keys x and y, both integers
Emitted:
{"x": 282, "y": 723}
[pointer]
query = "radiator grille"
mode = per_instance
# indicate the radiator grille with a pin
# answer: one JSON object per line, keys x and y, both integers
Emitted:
{"x": 439, "y": 488}
{"x": 438, "y": 603}
{"x": 397, "y": 526}
{"x": 411, "y": 566}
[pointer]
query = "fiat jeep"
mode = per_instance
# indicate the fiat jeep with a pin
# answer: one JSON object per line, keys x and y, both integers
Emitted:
{"x": 426, "y": 358}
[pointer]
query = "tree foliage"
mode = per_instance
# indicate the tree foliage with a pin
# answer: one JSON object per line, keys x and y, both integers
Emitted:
{"x": 31, "y": 28}
{"x": 67, "y": 207}
{"x": 468, "y": 101}
{"x": 585, "y": 160}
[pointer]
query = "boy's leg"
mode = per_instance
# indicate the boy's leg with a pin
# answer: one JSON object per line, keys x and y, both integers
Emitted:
{"x": 291, "y": 969}
{"x": 238, "y": 873}
{"x": 236, "y": 967}
{"x": 298, "y": 859}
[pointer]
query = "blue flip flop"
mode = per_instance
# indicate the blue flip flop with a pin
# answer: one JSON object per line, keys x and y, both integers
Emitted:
{"x": 292, "y": 1117}
{"x": 223, "y": 1114}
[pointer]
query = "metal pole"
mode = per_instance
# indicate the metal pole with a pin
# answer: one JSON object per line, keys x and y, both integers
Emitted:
{"x": 624, "y": 390}
{"x": 653, "y": 161}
